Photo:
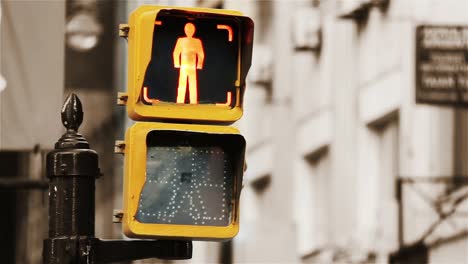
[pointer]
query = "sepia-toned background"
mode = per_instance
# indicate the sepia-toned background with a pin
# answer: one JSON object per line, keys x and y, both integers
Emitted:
{"x": 343, "y": 165}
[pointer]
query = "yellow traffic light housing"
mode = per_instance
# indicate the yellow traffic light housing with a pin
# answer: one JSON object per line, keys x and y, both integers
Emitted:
{"x": 187, "y": 64}
{"x": 182, "y": 181}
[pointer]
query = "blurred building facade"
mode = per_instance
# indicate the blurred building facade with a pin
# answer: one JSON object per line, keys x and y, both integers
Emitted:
{"x": 330, "y": 120}
{"x": 331, "y": 123}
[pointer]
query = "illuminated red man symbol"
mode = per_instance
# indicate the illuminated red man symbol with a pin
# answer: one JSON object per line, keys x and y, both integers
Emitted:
{"x": 188, "y": 56}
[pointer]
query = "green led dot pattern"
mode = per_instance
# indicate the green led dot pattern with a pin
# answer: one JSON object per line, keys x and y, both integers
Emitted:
{"x": 186, "y": 186}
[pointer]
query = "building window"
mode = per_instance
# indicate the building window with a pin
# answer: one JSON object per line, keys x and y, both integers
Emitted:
{"x": 385, "y": 239}
{"x": 312, "y": 202}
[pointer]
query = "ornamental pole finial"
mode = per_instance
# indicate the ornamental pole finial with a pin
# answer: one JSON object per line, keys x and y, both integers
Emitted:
{"x": 72, "y": 112}
{"x": 72, "y": 117}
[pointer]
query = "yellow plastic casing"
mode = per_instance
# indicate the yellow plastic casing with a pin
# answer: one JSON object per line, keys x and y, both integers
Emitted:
{"x": 140, "y": 39}
{"x": 135, "y": 177}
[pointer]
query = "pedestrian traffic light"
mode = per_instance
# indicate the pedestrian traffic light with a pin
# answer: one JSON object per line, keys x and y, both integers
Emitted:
{"x": 187, "y": 63}
{"x": 182, "y": 181}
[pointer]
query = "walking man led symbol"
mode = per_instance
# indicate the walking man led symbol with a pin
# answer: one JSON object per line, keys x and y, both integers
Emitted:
{"x": 188, "y": 56}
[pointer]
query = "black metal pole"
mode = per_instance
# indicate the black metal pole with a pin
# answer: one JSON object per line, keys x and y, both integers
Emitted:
{"x": 72, "y": 169}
